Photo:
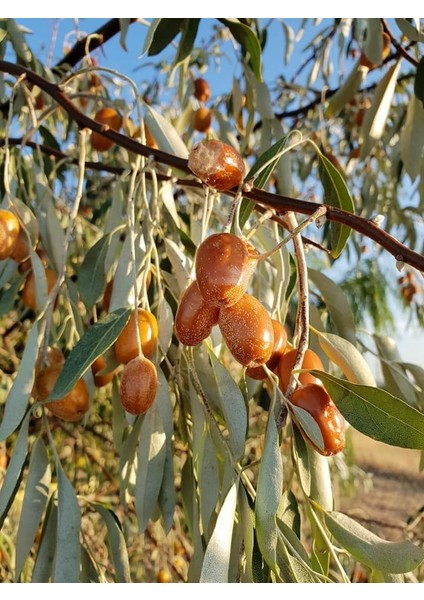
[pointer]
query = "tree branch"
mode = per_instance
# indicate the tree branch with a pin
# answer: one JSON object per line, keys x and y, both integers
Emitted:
{"x": 280, "y": 203}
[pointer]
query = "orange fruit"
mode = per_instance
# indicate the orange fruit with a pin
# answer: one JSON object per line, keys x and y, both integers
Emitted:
{"x": 202, "y": 119}
{"x": 126, "y": 345}
{"x": 202, "y": 89}
{"x": 139, "y": 384}
{"x": 71, "y": 407}
{"x": 28, "y": 292}
{"x": 105, "y": 116}
{"x": 316, "y": 401}
{"x": 195, "y": 317}
{"x": 248, "y": 331}
{"x": 224, "y": 264}
{"x": 9, "y": 233}
{"x": 101, "y": 380}
{"x": 280, "y": 345}
{"x": 217, "y": 164}
{"x": 285, "y": 367}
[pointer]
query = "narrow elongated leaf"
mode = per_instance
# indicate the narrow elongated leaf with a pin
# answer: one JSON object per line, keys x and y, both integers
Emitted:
{"x": 389, "y": 557}
{"x": 395, "y": 379}
{"x": 375, "y": 117}
{"x": 412, "y": 138}
{"x": 410, "y": 31}
{"x": 373, "y": 48}
{"x": 188, "y": 29}
{"x": 233, "y": 406}
{"x": 8, "y": 295}
{"x": 248, "y": 40}
{"x": 165, "y": 326}
{"x": 94, "y": 343}
{"x": 419, "y": 81}
{"x": 150, "y": 36}
{"x": 44, "y": 559}
{"x": 123, "y": 26}
{"x": 35, "y": 501}
{"x": 208, "y": 480}
{"x": 92, "y": 273}
{"x": 179, "y": 263}
{"x": 347, "y": 90}
{"x": 337, "y": 304}
{"x": 218, "y": 552}
{"x": 68, "y": 551}
{"x": 12, "y": 478}
{"x": 269, "y": 491}
{"x": 335, "y": 194}
{"x": 266, "y": 157}
{"x": 349, "y": 360}
{"x": 150, "y": 464}
{"x": 167, "y": 496}
{"x": 165, "y": 30}
{"x": 17, "y": 399}
{"x": 117, "y": 545}
{"x": 165, "y": 133}
{"x": 376, "y": 413}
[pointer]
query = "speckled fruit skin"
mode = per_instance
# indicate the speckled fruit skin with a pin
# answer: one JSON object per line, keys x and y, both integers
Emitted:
{"x": 202, "y": 89}
{"x": 285, "y": 367}
{"x": 248, "y": 331}
{"x": 139, "y": 384}
{"x": 126, "y": 344}
{"x": 71, "y": 407}
{"x": 316, "y": 401}
{"x": 9, "y": 233}
{"x": 217, "y": 164}
{"x": 106, "y": 116}
{"x": 28, "y": 292}
{"x": 195, "y": 317}
{"x": 280, "y": 345}
{"x": 223, "y": 268}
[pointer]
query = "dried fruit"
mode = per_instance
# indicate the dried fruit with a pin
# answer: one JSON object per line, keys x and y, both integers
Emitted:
{"x": 224, "y": 264}
{"x": 195, "y": 317}
{"x": 217, "y": 164}
{"x": 139, "y": 384}
{"x": 316, "y": 401}
{"x": 248, "y": 331}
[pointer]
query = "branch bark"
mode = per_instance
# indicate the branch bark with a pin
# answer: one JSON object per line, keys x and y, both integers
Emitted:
{"x": 280, "y": 203}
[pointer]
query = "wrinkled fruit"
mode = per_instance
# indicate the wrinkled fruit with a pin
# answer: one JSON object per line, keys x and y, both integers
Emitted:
{"x": 316, "y": 401}
{"x": 217, "y": 164}
{"x": 139, "y": 384}
{"x": 248, "y": 331}
{"x": 223, "y": 268}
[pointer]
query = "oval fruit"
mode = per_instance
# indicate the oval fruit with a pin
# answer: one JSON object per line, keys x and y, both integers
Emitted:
{"x": 139, "y": 384}
{"x": 9, "y": 233}
{"x": 217, "y": 164}
{"x": 202, "y": 119}
{"x": 27, "y": 264}
{"x": 280, "y": 345}
{"x": 71, "y": 407}
{"x": 106, "y": 116}
{"x": 126, "y": 345}
{"x": 195, "y": 317}
{"x": 248, "y": 331}
{"x": 53, "y": 357}
{"x": 28, "y": 292}
{"x": 223, "y": 268}
{"x": 101, "y": 380}
{"x": 21, "y": 252}
{"x": 285, "y": 367}
{"x": 202, "y": 89}
{"x": 316, "y": 401}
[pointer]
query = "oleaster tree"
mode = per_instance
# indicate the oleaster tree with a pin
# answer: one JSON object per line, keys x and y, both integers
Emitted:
{"x": 195, "y": 289}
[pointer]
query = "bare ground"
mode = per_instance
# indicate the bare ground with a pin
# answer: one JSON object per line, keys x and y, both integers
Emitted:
{"x": 392, "y": 505}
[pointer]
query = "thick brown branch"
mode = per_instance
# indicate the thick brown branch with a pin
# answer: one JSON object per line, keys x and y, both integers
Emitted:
{"x": 267, "y": 199}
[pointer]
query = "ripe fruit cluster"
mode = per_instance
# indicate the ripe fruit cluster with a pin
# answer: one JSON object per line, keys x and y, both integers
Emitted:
{"x": 224, "y": 264}
{"x": 203, "y": 116}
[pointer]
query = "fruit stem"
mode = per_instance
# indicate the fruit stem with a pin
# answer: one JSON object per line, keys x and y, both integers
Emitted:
{"x": 301, "y": 333}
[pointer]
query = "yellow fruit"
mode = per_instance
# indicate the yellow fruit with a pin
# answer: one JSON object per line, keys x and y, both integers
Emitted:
{"x": 9, "y": 232}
